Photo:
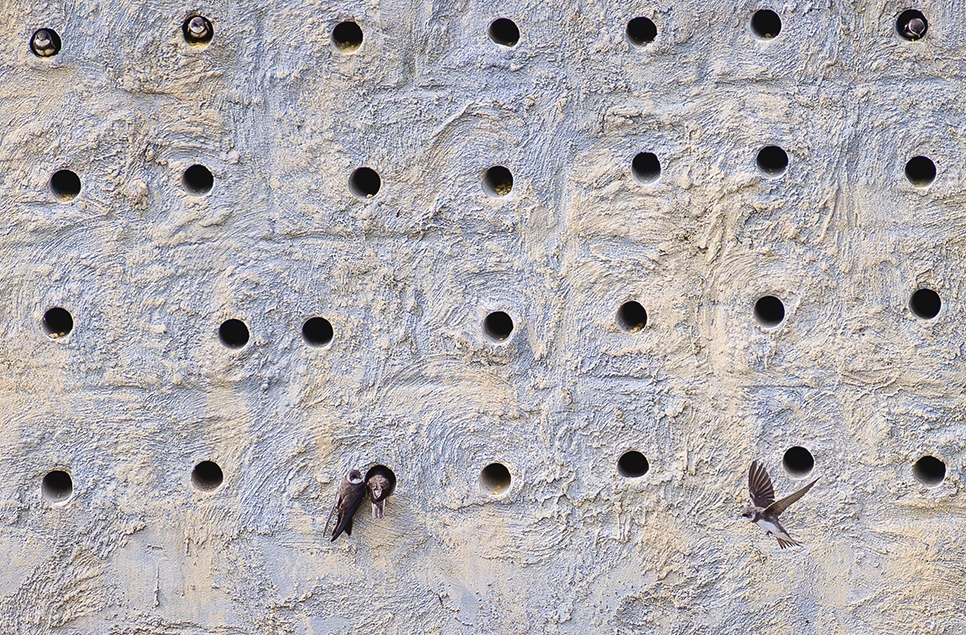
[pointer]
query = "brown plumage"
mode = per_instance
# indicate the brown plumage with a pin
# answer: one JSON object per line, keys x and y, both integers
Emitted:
{"x": 352, "y": 490}
{"x": 380, "y": 487}
{"x": 764, "y": 510}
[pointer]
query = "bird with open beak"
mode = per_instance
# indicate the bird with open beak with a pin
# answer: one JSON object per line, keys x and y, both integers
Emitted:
{"x": 380, "y": 487}
{"x": 352, "y": 490}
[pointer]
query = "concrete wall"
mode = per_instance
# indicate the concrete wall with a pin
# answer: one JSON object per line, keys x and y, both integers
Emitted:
{"x": 139, "y": 389}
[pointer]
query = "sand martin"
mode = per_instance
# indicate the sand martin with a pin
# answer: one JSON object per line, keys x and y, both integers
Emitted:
{"x": 43, "y": 43}
{"x": 914, "y": 29}
{"x": 197, "y": 30}
{"x": 381, "y": 484}
{"x": 352, "y": 490}
{"x": 764, "y": 510}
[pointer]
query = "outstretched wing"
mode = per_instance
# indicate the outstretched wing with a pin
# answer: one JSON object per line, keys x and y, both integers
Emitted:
{"x": 779, "y": 506}
{"x": 759, "y": 486}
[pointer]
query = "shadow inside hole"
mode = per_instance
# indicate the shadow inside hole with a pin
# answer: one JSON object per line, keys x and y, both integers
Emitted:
{"x": 65, "y": 185}
{"x": 45, "y": 43}
{"x": 641, "y": 31}
{"x": 632, "y": 464}
{"x": 631, "y": 316}
{"x": 365, "y": 182}
{"x": 498, "y": 326}
{"x": 317, "y": 331}
{"x": 912, "y": 25}
{"x": 798, "y": 462}
{"x": 207, "y": 476}
{"x": 925, "y": 304}
{"x": 57, "y": 486}
{"x": 197, "y": 30}
{"x": 495, "y": 479}
{"x": 347, "y": 37}
{"x": 646, "y": 168}
{"x": 504, "y": 32}
{"x": 233, "y": 333}
{"x": 920, "y": 171}
{"x": 766, "y": 24}
{"x": 929, "y": 471}
{"x": 772, "y": 161}
{"x": 57, "y": 322}
{"x": 497, "y": 181}
{"x": 769, "y": 311}
{"x": 388, "y": 473}
{"x": 198, "y": 180}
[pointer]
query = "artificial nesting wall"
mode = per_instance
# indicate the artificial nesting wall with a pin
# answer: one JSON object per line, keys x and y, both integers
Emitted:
{"x": 566, "y": 268}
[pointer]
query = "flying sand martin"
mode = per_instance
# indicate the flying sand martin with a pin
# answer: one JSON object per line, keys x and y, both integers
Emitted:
{"x": 764, "y": 510}
{"x": 352, "y": 490}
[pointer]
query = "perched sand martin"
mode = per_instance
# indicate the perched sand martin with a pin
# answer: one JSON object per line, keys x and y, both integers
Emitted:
{"x": 381, "y": 484}
{"x": 352, "y": 490}
{"x": 764, "y": 510}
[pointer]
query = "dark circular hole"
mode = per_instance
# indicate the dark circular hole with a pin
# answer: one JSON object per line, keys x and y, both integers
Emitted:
{"x": 45, "y": 43}
{"x": 365, "y": 182}
{"x": 772, "y": 161}
{"x": 347, "y": 36}
{"x": 504, "y": 32}
{"x": 798, "y": 461}
{"x": 641, "y": 31}
{"x": 631, "y": 316}
{"x": 925, "y": 304}
{"x": 57, "y": 486}
{"x": 317, "y": 331}
{"x": 385, "y": 471}
{"x": 769, "y": 311}
{"x": 198, "y": 180}
{"x": 766, "y": 24}
{"x": 57, "y": 322}
{"x": 65, "y": 185}
{"x": 912, "y": 25}
{"x": 197, "y": 30}
{"x": 497, "y": 181}
{"x": 207, "y": 476}
{"x": 646, "y": 168}
{"x": 497, "y": 326}
{"x": 233, "y": 333}
{"x": 495, "y": 479}
{"x": 929, "y": 471}
{"x": 632, "y": 464}
{"x": 920, "y": 171}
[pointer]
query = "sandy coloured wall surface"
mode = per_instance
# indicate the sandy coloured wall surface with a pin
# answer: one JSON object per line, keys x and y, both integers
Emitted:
{"x": 139, "y": 388}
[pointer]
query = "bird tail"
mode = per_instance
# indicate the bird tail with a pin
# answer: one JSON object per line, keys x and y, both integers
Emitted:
{"x": 782, "y": 542}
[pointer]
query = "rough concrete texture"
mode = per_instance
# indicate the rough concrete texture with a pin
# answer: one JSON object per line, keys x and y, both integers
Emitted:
{"x": 141, "y": 389}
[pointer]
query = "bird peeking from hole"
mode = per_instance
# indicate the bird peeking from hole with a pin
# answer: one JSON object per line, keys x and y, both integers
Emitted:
{"x": 380, "y": 482}
{"x": 764, "y": 510}
{"x": 914, "y": 29}
{"x": 352, "y": 490}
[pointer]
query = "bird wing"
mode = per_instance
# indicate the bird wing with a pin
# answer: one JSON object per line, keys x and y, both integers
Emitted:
{"x": 759, "y": 485}
{"x": 778, "y": 507}
{"x": 348, "y": 504}
{"x": 335, "y": 504}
